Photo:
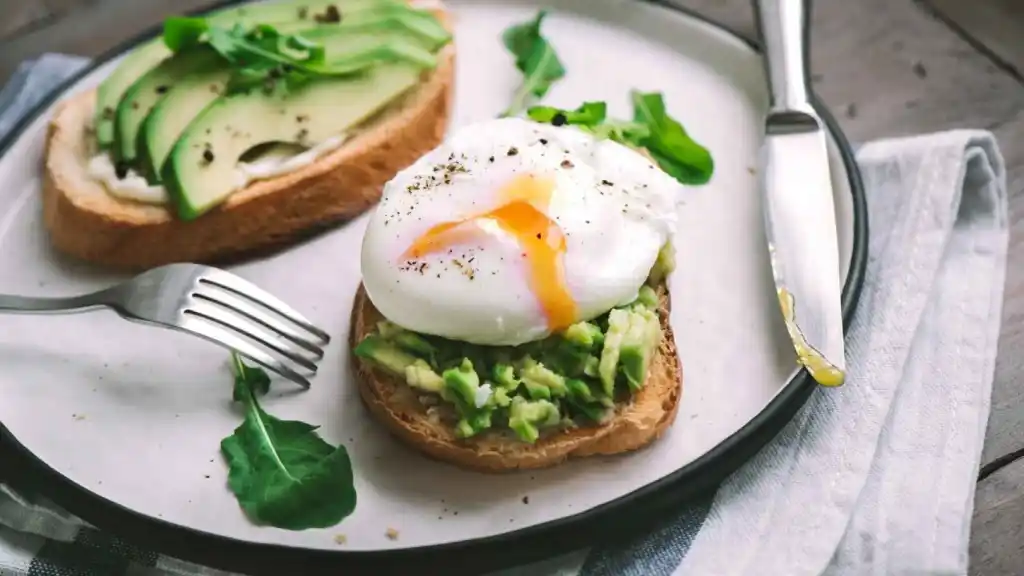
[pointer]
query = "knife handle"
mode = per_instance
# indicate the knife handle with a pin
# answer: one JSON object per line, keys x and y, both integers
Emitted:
{"x": 783, "y": 28}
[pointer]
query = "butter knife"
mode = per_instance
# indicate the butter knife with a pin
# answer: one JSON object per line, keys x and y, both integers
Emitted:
{"x": 799, "y": 211}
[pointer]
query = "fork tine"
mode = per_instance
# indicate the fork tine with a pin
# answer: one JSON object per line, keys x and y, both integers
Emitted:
{"x": 246, "y": 289}
{"x": 228, "y": 339}
{"x": 248, "y": 329}
{"x": 227, "y": 300}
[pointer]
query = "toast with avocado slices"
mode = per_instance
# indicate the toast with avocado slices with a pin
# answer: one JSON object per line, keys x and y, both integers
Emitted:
{"x": 541, "y": 410}
{"x": 246, "y": 130}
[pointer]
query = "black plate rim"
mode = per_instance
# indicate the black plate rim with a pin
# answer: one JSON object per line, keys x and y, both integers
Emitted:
{"x": 612, "y": 521}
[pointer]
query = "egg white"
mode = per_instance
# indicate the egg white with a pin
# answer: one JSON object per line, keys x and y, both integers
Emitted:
{"x": 615, "y": 208}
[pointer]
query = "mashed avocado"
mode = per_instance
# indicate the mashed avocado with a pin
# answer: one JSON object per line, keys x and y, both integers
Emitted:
{"x": 570, "y": 378}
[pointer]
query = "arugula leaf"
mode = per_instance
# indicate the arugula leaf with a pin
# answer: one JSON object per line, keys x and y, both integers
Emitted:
{"x": 248, "y": 380}
{"x": 181, "y": 32}
{"x": 588, "y": 114}
{"x": 281, "y": 471}
{"x": 629, "y": 133}
{"x": 263, "y": 56}
{"x": 535, "y": 58}
{"x": 592, "y": 117}
{"x": 668, "y": 142}
{"x": 652, "y": 129}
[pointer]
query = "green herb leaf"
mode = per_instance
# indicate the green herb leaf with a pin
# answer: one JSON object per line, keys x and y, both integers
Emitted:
{"x": 248, "y": 380}
{"x": 668, "y": 142}
{"x": 181, "y": 33}
{"x": 281, "y": 471}
{"x": 264, "y": 57}
{"x": 591, "y": 116}
{"x": 630, "y": 133}
{"x": 652, "y": 129}
{"x": 535, "y": 58}
{"x": 588, "y": 114}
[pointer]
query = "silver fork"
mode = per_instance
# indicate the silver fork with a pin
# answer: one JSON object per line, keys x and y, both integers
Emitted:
{"x": 206, "y": 302}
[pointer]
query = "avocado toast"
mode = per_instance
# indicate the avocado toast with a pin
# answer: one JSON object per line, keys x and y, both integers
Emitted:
{"x": 206, "y": 156}
{"x": 631, "y": 424}
{"x": 514, "y": 308}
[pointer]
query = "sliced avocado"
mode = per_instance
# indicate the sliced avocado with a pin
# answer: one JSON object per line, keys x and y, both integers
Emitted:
{"x": 463, "y": 429}
{"x": 537, "y": 391}
{"x": 400, "y": 17}
{"x": 538, "y": 374}
{"x": 385, "y": 354}
{"x": 593, "y": 412}
{"x": 416, "y": 344}
{"x": 172, "y": 115}
{"x": 579, "y": 390}
{"x": 420, "y": 375}
{"x": 134, "y": 65}
{"x": 593, "y": 406}
{"x": 462, "y": 383}
{"x": 584, "y": 334}
{"x": 480, "y": 421}
{"x": 505, "y": 376}
{"x": 618, "y": 325}
{"x": 638, "y": 346}
{"x": 389, "y": 329}
{"x": 151, "y": 53}
{"x": 200, "y": 171}
{"x": 474, "y": 424}
{"x": 564, "y": 357}
{"x": 647, "y": 298}
{"x": 147, "y": 91}
{"x": 527, "y": 431}
{"x": 500, "y": 398}
{"x": 663, "y": 265}
{"x": 527, "y": 416}
{"x": 193, "y": 93}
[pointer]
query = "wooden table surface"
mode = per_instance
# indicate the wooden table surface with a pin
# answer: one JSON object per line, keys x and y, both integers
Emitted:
{"x": 885, "y": 67}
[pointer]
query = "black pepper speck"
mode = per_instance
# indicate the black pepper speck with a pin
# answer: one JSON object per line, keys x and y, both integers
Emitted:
{"x": 330, "y": 16}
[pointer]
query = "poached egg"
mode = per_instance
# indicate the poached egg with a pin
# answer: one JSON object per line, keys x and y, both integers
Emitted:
{"x": 512, "y": 230}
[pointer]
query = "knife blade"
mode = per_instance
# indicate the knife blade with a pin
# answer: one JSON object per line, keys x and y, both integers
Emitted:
{"x": 799, "y": 209}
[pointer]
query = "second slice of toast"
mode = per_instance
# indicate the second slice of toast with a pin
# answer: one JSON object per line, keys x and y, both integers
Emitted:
{"x": 87, "y": 222}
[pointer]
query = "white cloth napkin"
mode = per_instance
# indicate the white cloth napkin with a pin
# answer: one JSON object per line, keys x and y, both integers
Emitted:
{"x": 876, "y": 477}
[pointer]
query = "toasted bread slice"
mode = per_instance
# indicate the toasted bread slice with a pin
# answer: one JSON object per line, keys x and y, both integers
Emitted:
{"x": 87, "y": 222}
{"x": 635, "y": 424}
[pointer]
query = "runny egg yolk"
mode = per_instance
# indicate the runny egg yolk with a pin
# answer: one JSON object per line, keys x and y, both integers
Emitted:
{"x": 522, "y": 214}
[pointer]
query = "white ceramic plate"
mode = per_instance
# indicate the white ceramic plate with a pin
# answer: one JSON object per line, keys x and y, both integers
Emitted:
{"x": 121, "y": 423}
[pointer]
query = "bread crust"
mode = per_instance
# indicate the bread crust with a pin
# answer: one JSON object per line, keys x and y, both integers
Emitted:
{"x": 87, "y": 222}
{"x": 634, "y": 425}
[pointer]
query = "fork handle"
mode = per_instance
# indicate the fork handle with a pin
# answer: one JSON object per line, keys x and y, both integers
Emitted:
{"x": 27, "y": 305}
